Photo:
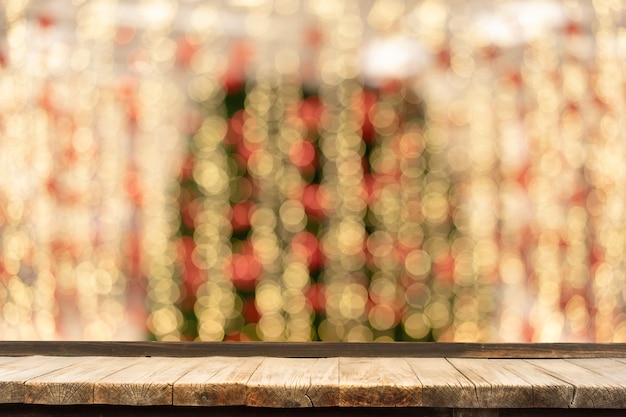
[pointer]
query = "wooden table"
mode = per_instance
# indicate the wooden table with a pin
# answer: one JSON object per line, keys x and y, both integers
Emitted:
{"x": 279, "y": 379}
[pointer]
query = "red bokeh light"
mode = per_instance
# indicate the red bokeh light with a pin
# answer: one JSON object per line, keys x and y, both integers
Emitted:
{"x": 241, "y": 215}
{"x": 315, "y": 200}
{"x": 306, "y": 245}
{"x": 302, "y": 154}
{"x": 243, "y": 267}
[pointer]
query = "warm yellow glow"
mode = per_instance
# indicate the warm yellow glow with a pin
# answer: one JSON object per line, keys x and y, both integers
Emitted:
{"x": 292, "y": 171}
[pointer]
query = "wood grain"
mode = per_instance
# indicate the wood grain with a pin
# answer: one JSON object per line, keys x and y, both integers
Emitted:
{"x": 378, "y": 382}
{"x": 215, "y": 381}
{"x": 8, "y": 359}
{"x": 496, "y": 387}
{"x": 612, "y": 369}
{"x": 548, "y": 391}
{"x": 72, "y": 384}
{"x": 464, "y": 384}
{"x": 16, "y": 371}
{"x": 594, "y": 389}
{"x": 290, "y": 382}
{"x": 148, "y": 381}
{"x": 442, "y": 384}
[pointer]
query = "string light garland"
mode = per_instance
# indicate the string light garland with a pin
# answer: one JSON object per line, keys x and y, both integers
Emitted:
{"x": 605, "y": 172}
{"x": 16, "y": 295}
{"x": 394, "y": 170}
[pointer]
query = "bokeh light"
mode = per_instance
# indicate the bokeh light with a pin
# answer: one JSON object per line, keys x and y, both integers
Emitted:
{"x": 313, "y": 170}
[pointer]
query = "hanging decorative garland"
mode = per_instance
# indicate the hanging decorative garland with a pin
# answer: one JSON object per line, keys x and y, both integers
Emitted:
{"x": 399, "y": 171}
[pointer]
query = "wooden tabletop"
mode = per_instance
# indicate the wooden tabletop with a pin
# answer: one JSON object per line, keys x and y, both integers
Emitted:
{"x": 262, "y": 381}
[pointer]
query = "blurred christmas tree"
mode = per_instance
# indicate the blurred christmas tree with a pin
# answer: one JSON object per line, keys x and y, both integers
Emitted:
{"x": 373, "y": 301}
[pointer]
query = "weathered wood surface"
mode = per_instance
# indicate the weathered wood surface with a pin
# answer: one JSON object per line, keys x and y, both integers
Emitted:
{"x": 378, "y": 382}
{"x": 215, "y": 381}
{"x": 72, "y": 384}
{"x": 593, "y": 388}
{"x": 14, "y": 373}
{"x": 147, "y": 381}
{"x": 495, "y": 386}
{"x": 317, "y": 349}
{"x": 442, "y": 384}
{"x": 547, "y": 390}
{"x": 459, "y": 383}
{"x": 289, "y": 382}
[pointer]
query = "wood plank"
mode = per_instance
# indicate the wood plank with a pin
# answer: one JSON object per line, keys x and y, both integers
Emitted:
{"x": 290, "y": 382}
{"x": 496, "y": 387}
{"x": 623, "y": 360}
{"x": 459, "y": 383}
{"x": 7, "y": 359}
{"x": 442, "y": 384}
{"x": 593, "y": 389}
{"x": 73, "y": 384}
{"x": 316, "y": 349}
{"x": 148, "y": 381}
{"x": 215, "y": 381}
{"x": 14, "y": 373}
{"x": 378, "y": 382}
{"x": 548, "y": 391}
{"x": 610, "y": 368}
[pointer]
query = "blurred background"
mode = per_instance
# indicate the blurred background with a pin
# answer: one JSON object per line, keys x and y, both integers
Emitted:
{"x": 291, "y": 170}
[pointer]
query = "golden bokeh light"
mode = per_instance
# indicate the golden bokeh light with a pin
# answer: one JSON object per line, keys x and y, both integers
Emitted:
{"x": 298, "y": 171}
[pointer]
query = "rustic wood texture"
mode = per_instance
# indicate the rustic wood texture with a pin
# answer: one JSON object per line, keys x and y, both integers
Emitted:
{"x": 610, "y": 368}
{"x": 316, "y": 349}
{"x": 594, "y": 389}
{"x": 147, "y": 381}
{"x": 547, "y": 390}
{"x": 215, "y": 381}
{"x": 8, "y": 359}
{"x": 378, "y": 382}
{"x": 289, "y": 382}
{"x": 16, "y": 371}
{"x": 73, "y": 384}
{"x": 496, "y": 387}
{"x": 442, "y": 384}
